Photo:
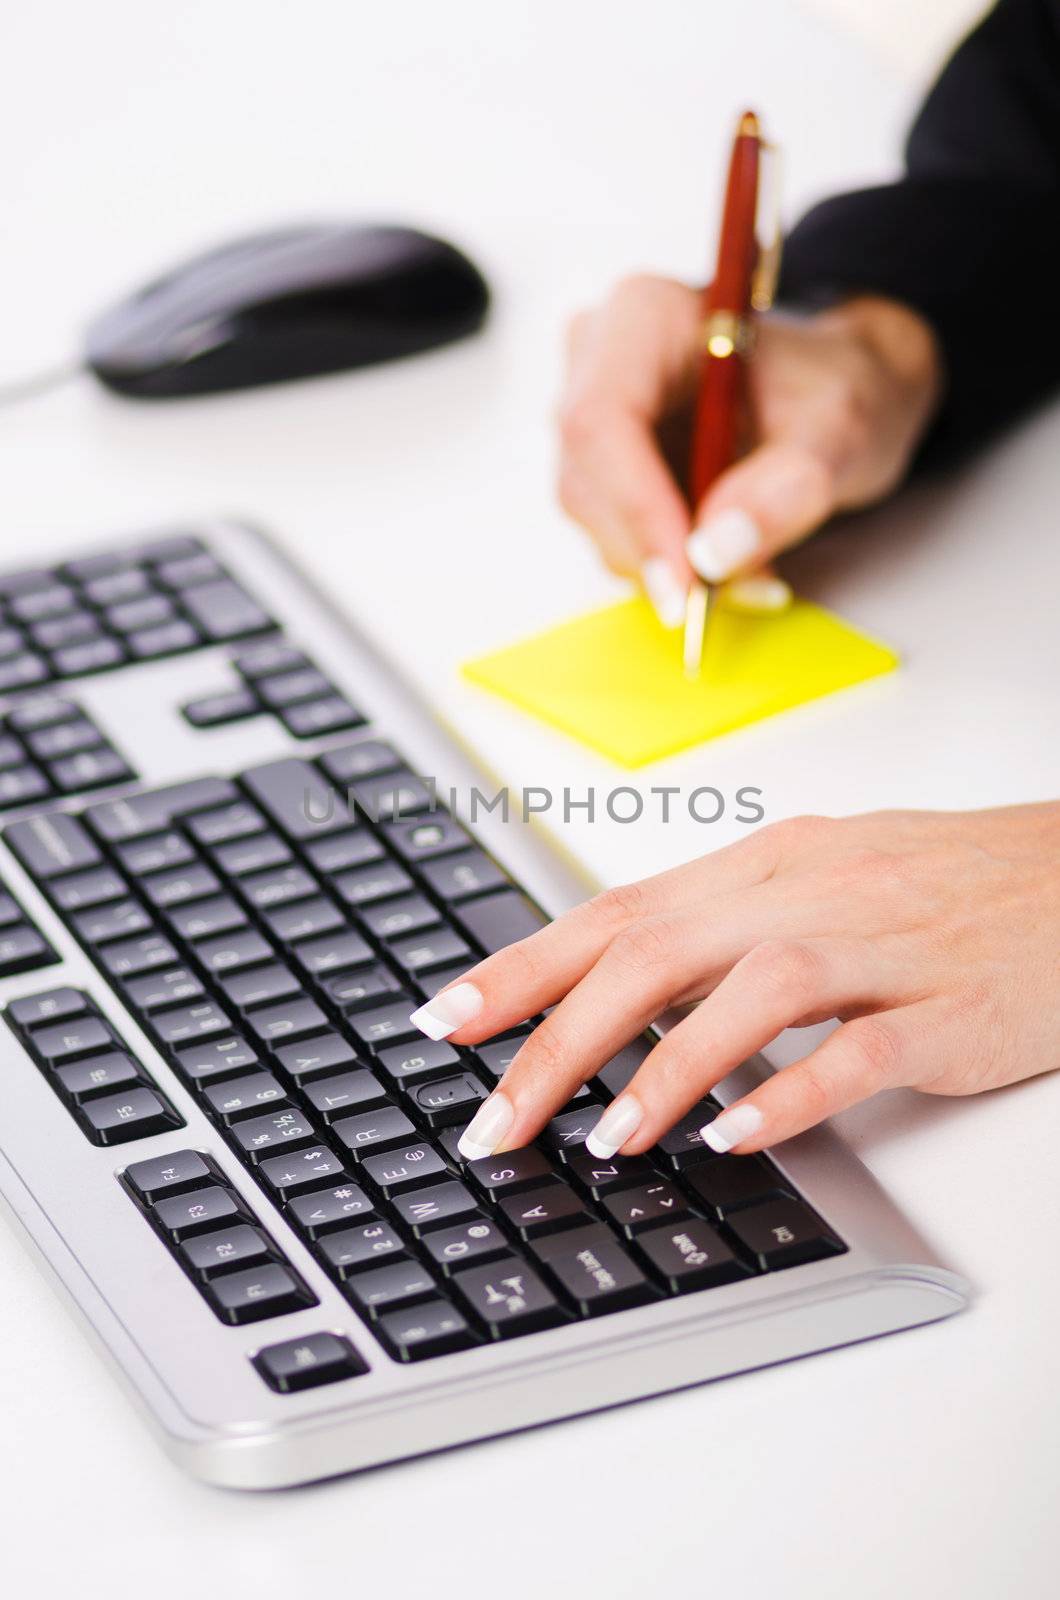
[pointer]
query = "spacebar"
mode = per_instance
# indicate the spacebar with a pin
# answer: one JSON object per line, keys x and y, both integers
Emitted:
{"x": 499, "y": 919}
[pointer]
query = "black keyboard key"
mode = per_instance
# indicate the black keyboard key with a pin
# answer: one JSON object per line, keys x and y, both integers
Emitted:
{"x": 356, "y": 991}
{"x": 184, "y": 1024}
{"x": 75, "y": 628}
{"x": 315, "y": 717}
{"x": 245, "y": 948}
{"x": 14, "y": 583}
{"x": 422, "y": 1331}
{"x": 157, "y": 853}
{"x": 308, "y": 919}
{"x": 288, "y": 688}
{"x": 12, "y": 643}
{"x": 401, "y": 1281}
{"x": 82, "y": 1079}
{"x": 601, "y": 1177}
{"x": 293, "y": 1019}
{"x": 223, "y": 610}
{"x": 238, "y": 1245}
{"x": 207, "y": 919}
{"x": 37, "y": 604}
{"x": 407, "y": 1167}
{"x": 497, "y": 920}
{"x": 593, "y": 1269}
{"x": 544, "y": 1210}
{"x": 21, "y": 672}
{"x": 118, "y": 920}
{"x": 422, "y": 838}
{"x": 424, "y": 1209}
{"x": 397, "y": 794}
{"x": 442, "y": 1102}
{"x": 309, "y": 1362}
{"x": 50, "y": 1006}
{"x": 235, "y": 821}
{"x": 266, "y": 1291}
{"x": 184, "y": 1215}
{"x": 318, "y": 1213}
{"x": 512, "y": 1171}
{"x": 184, "y": 571}
{"x": 157, "y": 991}
{"x": 145, "y": 612}
{"x": 459, "y": 877}
{"x": 300, "y": 1171}
{"x": 466, "y": 1243}
{"x": 42, "y": 711}
{"x": 216, "y": 1058}
{"x": 21, "y": 785}
{"x": 278, "y": 886}
{"x": 93, "y": 655}
{"x": 497, "y": 1055}
{"x": 359, "y": 1248}
{"x": 66, "y": 1041}
{"x": 168, "y": 1174}
{"x": 92, "y": 769}
{"x": 683, "y": 1145}
{"x": 358, "y": 848}
{"x": 96, "y": 887}
{"x": 258, "y": 986}
{"x": 396, "y": 917}
{"x": 243, "y": 1096}
{"x": 131, "y": 956}
{"x": 10, "y": 911}
{"x": 167, "y": 547}
{"x": 300, "y": 803}
{"x": 733, "y": 1181}
{"x": 242, "y": 857}
{"x": 569, "y": 1131}
{"x": 633, "y": 1210}
{"x": 690, "y": 1255}
{"x": 134, "y": 815}
{"x": 372, "y": 1131}
{"x": 508, "y": 1297}
{"x": 131, "y": 1115}
{"x": 52, "y": 844}
{"x": 616, "y": 1074}
{"x": 336, "y": 1097}
{"x": 216, "y": 710}
{"x": 335, "y": 952}
{"x": 112, "y": 588}
{"x": 367, "y": 885}
{"x": 783, "y": 1233}
{"x": 67, "y": 739}
{"x": 167, "y": 639}
{"x": 427, "y": 1056}
{"x": 13, "y": 755}
{"x": 22, "y": 948}
{"x": 384, "y": 1025}
{"x": 437, "y": 947}
{"x": 264, "y": 659}
{"x": 314, "y": 1057}
{"x": 175, "y": 888}
{"x": 366, "y": 759}
{"x": 279, "y": 1130}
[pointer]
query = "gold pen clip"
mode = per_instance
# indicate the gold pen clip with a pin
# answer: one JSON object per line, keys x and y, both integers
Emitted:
{"x": 768, "y": 230}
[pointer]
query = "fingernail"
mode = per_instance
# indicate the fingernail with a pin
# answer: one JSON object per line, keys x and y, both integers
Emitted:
{"x": 622, "y": 1118}
{"x": 665, "y": 591}
{"x": 487, "y": 1127}
{"x": 732, "y": 1126}
{"x": 759, "y": 594}
{"x": 724, "y": 542}
{"x": 448, "y": 1011}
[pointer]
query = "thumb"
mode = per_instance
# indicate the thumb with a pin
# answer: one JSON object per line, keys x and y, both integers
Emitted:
{"x": 771, "y": 499}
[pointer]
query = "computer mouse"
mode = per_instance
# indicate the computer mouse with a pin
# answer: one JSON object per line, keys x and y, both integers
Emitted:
{"x": 290, "y": 303}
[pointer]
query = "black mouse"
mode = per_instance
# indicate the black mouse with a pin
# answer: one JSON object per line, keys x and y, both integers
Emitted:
{"x": 287, "y": 304}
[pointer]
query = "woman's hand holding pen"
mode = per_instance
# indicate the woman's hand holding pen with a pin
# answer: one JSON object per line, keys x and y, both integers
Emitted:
{"x": 933, "y": 938}
{"x": 839, "y": 402}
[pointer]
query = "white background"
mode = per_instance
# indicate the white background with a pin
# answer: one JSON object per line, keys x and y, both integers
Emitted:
{"x": 564, "y": 144}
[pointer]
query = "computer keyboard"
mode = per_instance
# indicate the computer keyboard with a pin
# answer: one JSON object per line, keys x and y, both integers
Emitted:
{"x": 222, "y": 1130}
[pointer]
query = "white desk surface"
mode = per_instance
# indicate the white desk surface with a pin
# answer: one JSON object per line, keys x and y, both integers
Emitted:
{"x": 564, "y": 144}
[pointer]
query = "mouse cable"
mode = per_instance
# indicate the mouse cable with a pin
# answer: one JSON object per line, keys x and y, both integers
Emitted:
{"x": 39, "y": 383}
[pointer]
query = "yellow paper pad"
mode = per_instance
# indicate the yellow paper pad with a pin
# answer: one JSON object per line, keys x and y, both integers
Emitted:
{"x": 613, "y": 678}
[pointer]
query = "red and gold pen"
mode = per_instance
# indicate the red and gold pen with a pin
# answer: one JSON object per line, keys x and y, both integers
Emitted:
{"x": 738, "y": 290}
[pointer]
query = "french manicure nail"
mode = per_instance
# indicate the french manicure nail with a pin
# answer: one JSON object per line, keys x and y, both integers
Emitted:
{"x": 448, "y": 1011}
{"x": 665, "y": 591}
{"x": 621, "y": 1119}
{"x": 732, "y": 1126}
{"x": 487, "y": 1127}
{"x": 762, "y": 593}
{"x": 723, "y": 543}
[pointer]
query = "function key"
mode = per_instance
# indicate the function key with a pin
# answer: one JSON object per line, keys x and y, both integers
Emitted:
{"x": 508, "y": 1297}
{"x": 66, "y": 1041}
{"x": 783, "y": 1233}
{"x": 308, "y": 1362}
{"x": 460, "y": 876}
{"x": 223, "y": 610}
{"x": 258, "y": 1292}
{"x": 690, "y": 1255}
{"x": 593, "y": 1269}
{"x": 419, "y": 1332}
{"x": 22, "y": 948}
{"x": 367, "y": 759}
{"x": 181, "y": 1216}
{"x": 214, "y": 710}
{"x": 50, "y": 1006}
{"x": 265, "y": 659}
{"x": 132, "y": 1115}
{"x": 319, "y": 1212}
{"x": 83, "y": 1079}
{"x": 209, "y": 1254}
{"x": 168, "y": 1174}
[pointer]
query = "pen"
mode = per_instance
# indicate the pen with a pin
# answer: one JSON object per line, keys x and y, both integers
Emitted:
{"x": 727, "y": 337}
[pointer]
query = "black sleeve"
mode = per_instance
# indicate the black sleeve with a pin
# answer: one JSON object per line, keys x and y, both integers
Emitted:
{"x": 970, "y": 237}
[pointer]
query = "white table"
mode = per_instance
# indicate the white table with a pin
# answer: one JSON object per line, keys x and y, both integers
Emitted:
{"x": 564, "y": 144}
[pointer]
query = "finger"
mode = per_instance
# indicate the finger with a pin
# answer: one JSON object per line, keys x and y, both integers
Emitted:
{"x": 761, "y": 593}
{"x": 771, "y": 499}
{"x": 520, "y": 980}
{"x": 654, "y": 963}
{"x": 882, "y": 1050}
{"x": 775, "y": 985}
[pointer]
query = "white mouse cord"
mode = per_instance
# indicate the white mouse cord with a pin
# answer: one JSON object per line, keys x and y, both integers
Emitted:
{"x": 39, "y": 383}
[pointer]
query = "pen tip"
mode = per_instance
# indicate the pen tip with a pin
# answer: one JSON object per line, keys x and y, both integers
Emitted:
{"x": 748, "y": 128}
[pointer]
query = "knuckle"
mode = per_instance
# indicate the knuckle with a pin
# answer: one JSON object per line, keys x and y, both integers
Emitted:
{"x": 815, "y": 1092}
{"x": 620, "y": 904}
{"x": 877, "y": 1049}
{"x": 643, "y": 947}
{"x": 786, "y": 968}
{"x": 794, "y": 834}
{"x": 582, "y": 420}
{"x": 542, "y": 1057}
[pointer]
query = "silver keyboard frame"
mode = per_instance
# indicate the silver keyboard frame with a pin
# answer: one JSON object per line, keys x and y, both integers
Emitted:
{"x": 190, "y": 1374}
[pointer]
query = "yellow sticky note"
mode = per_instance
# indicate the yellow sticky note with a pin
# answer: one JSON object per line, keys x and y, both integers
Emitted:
{"x": 613, "y": 678}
